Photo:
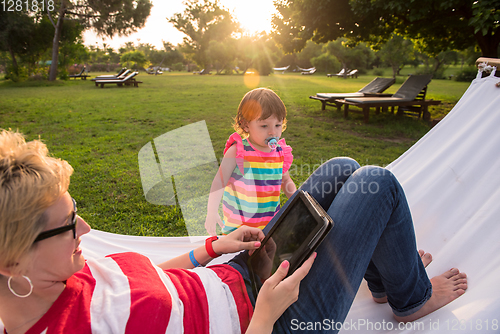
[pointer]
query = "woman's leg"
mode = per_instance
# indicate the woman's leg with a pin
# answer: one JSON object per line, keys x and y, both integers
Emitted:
{"x": 323, "y": 184}
{"x": 326, "y": 181}
{"x": 372, "y": 223}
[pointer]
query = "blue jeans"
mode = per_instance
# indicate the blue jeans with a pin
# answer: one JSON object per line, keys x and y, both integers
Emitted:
{"x": 373, "y": 237}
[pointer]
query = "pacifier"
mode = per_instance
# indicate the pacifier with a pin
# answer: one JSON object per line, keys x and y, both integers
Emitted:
{"x": 272, "y": 142}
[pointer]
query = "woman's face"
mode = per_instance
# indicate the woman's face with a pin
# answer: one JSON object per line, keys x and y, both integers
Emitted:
{"x": 57, "y": 258}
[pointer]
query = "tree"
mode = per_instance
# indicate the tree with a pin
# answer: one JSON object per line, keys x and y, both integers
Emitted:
{"x": 455, "y": 24}
{"x": 202, "y": 22}
{"x": 326, "y": 62}
{"x": 133, "y": 58}
{"x": 436, "y": 65}
{"x": 397, "y": 52}
{"x": 442, "y": 25}
{"x": 310, "y": 51}
{"x": 258, "y": 52}
{"x": 106, "y": 17}
{"x": 322, "y": 21}
{"x": 350, "y": 57}
{"x": 26, "y": 37}
{"x": 222, "y": 54}
{"x": 15, "y": 32}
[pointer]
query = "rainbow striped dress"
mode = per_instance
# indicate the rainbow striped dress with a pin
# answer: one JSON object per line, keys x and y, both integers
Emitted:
{"x": 252, "y": 195}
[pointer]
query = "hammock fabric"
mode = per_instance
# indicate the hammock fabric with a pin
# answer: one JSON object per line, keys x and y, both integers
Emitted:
{"x": 451, "y": 178}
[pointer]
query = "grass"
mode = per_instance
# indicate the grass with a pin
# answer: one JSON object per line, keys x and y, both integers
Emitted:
{"x": 101, "y": 131}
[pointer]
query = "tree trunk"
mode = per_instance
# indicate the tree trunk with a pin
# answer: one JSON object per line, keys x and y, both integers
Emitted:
{"x": 14, "y": 61}
{"x": 55, "y": 43}
{"x": 488, "y": 44}
{"x": 395, "y": 70}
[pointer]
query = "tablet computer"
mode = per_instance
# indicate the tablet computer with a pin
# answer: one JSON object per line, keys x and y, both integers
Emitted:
{"x": 297, "y": 230}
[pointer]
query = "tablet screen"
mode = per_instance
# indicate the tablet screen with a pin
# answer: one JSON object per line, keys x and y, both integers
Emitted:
{"x": 288, "y": 237}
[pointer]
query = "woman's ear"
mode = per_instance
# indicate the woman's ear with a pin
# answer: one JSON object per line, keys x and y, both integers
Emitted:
{"x": 6, "y": 271}
{"x": 10, "y": 269}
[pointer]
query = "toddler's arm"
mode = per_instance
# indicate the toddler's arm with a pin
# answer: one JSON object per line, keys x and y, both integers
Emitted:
{"x": 287, "y": 185}
{"x": 217, "y": 190}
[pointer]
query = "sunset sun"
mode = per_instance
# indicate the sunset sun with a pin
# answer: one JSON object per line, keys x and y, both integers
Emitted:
{"x": 253, "y": 16}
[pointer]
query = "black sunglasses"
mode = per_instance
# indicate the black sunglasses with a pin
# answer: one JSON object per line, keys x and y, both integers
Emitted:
{"x": 55, "y": 231}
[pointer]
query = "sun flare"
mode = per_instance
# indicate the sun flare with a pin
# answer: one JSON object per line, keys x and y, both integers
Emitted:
{"x": 254, "y": 16}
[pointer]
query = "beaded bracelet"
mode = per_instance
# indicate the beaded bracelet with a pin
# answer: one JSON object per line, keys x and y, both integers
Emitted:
{"x": 193, "y": 260}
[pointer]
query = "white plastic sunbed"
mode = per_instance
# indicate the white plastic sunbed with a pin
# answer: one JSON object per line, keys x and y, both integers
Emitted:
{"x": 452, "y": 180}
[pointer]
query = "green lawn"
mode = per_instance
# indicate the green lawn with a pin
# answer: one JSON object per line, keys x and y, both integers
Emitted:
{"x": 100, "y": 132}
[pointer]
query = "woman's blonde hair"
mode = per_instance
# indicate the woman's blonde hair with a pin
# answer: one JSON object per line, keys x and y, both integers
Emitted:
{"x": 259, "y": 103}
{"x": 30, "y": 182}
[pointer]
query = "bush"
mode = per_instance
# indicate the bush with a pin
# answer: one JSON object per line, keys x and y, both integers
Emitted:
{"x": 21, "y": 75}
{"x": 439, "y": 74}
{"x": 362, "y": 71}
{"x": 327, "y": 63}
{"x": 178, "y": 67}
{"x": 63, "y": 75}
{"x": 467, "y": 74}
{"x": 38, "y": 77}
{"x": 378, "y": 72}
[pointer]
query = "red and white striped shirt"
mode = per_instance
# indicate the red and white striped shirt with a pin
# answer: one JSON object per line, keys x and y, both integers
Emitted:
{"x": 127, "y": 293}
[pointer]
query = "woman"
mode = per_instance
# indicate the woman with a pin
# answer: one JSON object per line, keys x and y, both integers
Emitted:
{"x": 46, "y": 284}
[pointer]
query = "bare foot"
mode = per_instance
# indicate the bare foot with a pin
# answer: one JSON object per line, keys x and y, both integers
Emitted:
{"x": 381, "y": 300}
{"x": 445, "y": 288}
{"x": 426, "y": 259}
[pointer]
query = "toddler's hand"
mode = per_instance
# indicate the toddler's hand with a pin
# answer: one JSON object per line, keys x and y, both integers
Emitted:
{"x": 211, "y": 222}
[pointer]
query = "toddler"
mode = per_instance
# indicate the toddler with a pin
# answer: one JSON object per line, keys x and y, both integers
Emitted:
{"x": 255, "y": 166}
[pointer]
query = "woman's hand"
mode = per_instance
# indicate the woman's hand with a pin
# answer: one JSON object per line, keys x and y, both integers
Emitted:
{"x": 276, "y": 295}
{"x": 263, "y": 261}
{"x": 243, "y": 238}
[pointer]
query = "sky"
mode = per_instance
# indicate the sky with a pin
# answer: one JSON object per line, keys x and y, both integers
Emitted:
{"x": 253, "y": 15}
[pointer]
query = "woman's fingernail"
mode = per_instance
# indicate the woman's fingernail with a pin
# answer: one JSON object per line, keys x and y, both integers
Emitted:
{"x": 257, "y": 244}
{"x": 285, "y": 264}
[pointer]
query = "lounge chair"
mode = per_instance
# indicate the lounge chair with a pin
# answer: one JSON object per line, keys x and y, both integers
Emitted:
{"x": 80, "y": 75}
{"x": 122, "y": 74}
{"x": 340, "y": 74}
{"x": 281, "y": 69}
{"x": 405, "y": 96}
{"x": 353, "y": 74}
{"x": 127, "y": 81}
{"x": 309, "y": 71}
{"x": 415, "y": 110}
{"x": 154, "y": 72}
{"x": 373, "y": 88}
{"x": 202, "y": 72}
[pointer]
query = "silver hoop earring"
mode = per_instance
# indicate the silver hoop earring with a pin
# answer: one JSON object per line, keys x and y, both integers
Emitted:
{"x": 15, "y": 293}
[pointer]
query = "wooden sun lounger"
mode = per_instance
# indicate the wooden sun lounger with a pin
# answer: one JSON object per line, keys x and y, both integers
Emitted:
{"x": 80, "y": 75}
{"x": 411, "y": 94}
{"x": 122, "y": 74}
{"x": 373, "y": 88}
{"x": 418, "y": 106}
{"x": 128, "y": 81}
{"x": 340, "y": 74}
